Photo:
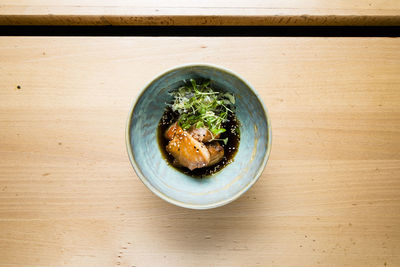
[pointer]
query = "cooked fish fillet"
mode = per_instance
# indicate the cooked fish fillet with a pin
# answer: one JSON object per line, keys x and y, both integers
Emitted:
{"x": 202, "y": 134}
{"x": 216, "y": 152}
{"x": 172, "y": 130}
{"x": 188, "y": 151}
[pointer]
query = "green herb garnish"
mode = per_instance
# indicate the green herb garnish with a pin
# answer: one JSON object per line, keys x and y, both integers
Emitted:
{"x": 200, "y": 105}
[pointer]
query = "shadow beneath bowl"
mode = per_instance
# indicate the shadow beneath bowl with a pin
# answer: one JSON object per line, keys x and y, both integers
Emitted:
{"x": 234, "y": 227}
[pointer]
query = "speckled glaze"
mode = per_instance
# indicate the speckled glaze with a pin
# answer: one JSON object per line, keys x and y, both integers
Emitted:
{"x": 174, "y": 186}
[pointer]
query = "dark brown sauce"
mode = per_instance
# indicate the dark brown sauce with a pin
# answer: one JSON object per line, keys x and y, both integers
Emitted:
{"x": 230, "y": 149}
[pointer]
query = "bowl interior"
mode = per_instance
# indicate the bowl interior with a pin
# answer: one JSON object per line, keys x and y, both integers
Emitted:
{"x": 174, "y": 186}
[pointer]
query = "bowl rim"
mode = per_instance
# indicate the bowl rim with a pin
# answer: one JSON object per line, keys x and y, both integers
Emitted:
{"x": 160, "y": 194}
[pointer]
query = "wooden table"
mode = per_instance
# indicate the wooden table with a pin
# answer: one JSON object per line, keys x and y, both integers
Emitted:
{"x": 329, "y": 196}
{"x": 199, "y": 12}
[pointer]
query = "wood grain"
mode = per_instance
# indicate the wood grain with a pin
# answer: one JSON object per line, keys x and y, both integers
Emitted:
{"x": 204, "y": 12}
{"x": 330, "y": 195}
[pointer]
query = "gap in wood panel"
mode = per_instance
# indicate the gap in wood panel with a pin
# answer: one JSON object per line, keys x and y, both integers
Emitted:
{"x": 279, "y": 31}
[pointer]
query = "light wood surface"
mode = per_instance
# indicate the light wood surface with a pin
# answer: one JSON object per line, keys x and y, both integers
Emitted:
{"x": 203, "y": 12}
{"x": 329, "y": 196}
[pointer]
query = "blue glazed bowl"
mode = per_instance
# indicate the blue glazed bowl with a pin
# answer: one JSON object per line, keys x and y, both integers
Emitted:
{"x": 170, "y": 184}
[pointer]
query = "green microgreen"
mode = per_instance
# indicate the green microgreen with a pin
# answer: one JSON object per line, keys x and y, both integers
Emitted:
{"x": 199, "y": 105}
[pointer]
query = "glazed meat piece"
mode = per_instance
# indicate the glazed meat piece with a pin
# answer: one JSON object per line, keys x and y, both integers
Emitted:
{"x": 172, "y": 130}
{"x": 216, "y": 152}
{"x": 202, "y": 134}
{"x": 188, "y": 151}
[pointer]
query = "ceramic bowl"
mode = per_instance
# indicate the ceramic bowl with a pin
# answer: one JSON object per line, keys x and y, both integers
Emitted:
{"x": 174, "y": 186}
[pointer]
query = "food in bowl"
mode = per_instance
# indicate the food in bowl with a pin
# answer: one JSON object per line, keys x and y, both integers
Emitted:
{"x": 175, "y": 186}
{"x": 199, "y": 132}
